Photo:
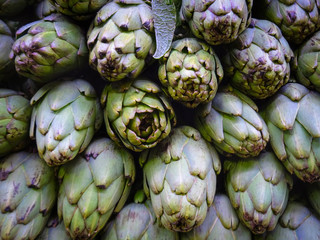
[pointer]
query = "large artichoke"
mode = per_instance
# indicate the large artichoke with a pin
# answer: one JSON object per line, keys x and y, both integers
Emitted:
{"x": 49, "y": 48}
{"x": 216, "y": 21}
{"x": 137, "y": 113}
{"x": 258, "y": 62}
{"x": 28, "y": 194}
{"x": 313, "y": 194}
{"x": 258, "y": 189}
{"x": 180, "y": 178}
{"x": 121, "y": 39}
{"x": 6, "y": 64}
{"x": 15, "y": 115}
{"x": 137, "y": 221}
{"x": 297, "y": 19}
{"x": 232, "y": 123}
{"x": 93, "y": 186}
{"x": 221, "y": 222}
{"x": 190, "y": 71}
{"x": 306, "y": 62}
{"x": 65, "y": 116}
{"x": 79, "y": 10}
{"x": 292, "y": 117}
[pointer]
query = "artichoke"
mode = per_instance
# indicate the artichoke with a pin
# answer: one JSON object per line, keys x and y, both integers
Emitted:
{"x": 258, "y": 189}
{"x": 121, "y": 39}
{"x": 6, "y": 64}
{"x": 292, "y": 117}
{"x": 180, "y": 178}
{"x": 190, "y": 72}
{"x": 313, "y": 194}
{"x": 15, "y": 115}
{"x": 44, "y": 9}
{"x": 221, "y": 222}
{"x": 49, "y": 48}
{"x": 137, "y": 113}
{"x": 28, "y": 194}
{"x": 54, "y": 230}
{"x": 232, "y": 123}
{"x": 79, "y": 10}
{"x": 11, "y": 8}
{"x": 93, "y": 186}
{"x": 216, "y": 21}
{"x": 137, "y": 221}
{"x": 297, "y": 19}
{"x": 257, "y": 63}
{"x": 306, "y": 62}
{"x": 65, "y": 116}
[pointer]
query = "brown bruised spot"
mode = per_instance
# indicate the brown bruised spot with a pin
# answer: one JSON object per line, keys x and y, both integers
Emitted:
{"x": 91, "y": 155}
{"x": 292, "y": 16}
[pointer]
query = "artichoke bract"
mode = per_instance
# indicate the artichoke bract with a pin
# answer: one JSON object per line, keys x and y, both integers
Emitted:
{"x": 232, "y": 123}
{"x": 54, "y": 230}
{"x": 137, "y": 113}
{"x": 221, "y": 222}
{"x": 306, "y": 62}
{"x": 93, "y": 186}
{"x": 137, "y": 221}
{"x": 79, "y": 10}
{"x": 216, "y": 21}
{"x": 258, "y": 62}
{"x": 65, "y": 116}
{"x": 292, "y": 117}
{"x": 49, "y": 48}
{"x": 190, "y": 72}
{"x": 121, "y": 39}
{"x": 28, "y": 194}
{"x": 180, "y": 178}
{"x": 15, "y": 115}
{"x": 258, "y": 189}
{"x": 44, "y": 9}
{"x": 10, "y": 8}
{"x": 297, "y": 222}
{"x": 297, "y": 19}
{"x": 313, "y": 194}
{"x": 7, "y": 70}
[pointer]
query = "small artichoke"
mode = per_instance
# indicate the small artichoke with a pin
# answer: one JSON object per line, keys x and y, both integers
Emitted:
{"x": 190, "y": 72}
{"x": 137, "y": 221}
{"x": 306, "y": 62}
{"x": 93, "y": 186}
{"x": 221, "y": 222}
{"x": 65, "y": 116}
{"x": 121, "y": 39}
{"x": 7, "y": 70}
{"x": 54, "y": 230}
{"x": 49, "y": 48}
{"x": 216, "y": 21}
{"x": 292, "y": 117}
{"x": 313, "y": 194}
{"x": 15, "y": 115}
{"x": 297, "y": 19}
{"x": 258, "y": 189}
{"x": 258, "y": 62}
{"x": 137, "y": 113}
{"x": 28, "y": 194}
{"x": 80, "y": 10}
{"x": 180, "y": 178}
{"x": 232, "y": 123}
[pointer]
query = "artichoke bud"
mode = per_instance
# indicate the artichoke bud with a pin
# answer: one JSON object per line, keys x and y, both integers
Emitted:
{"x": 180, "y": 178}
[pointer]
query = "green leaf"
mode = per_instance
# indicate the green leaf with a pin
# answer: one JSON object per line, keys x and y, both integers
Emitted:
{"x": 165, "y": 24}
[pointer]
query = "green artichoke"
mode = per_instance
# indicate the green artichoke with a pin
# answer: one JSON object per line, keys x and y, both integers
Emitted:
{"x": 10, "y": 8}
{"x": 44, "y": 9}
{"x": 190, "y": 72}
{"x": 93, "y": 186}
{"x": 180, "y": 178}
{"x": 292, "y": 117}
{"x": 137, "y": 113}
{"x": 15, "y": 115}
{"x": 258, "y": 189}
{"x": 79, "y": 9}
{"x": 297, "y": 222}
{"x": 65, "y": 116}
{"x": 313, "y": 194}
{"x": 121, "y": 39}
{"x": 297, "y": 19}
{"x": 28, "y": 194}
{"x": 49, "y": 48}
{"x": 137, "y": 221}
{"x": 232, "y": 123}
{"x": 258, "y": 62}
{"x": 221, "y": 222}
{"x": 216, "y": 21}
{"x": 306, "y": 62}
{"x": 54, "y": 230}
{"x": 7, "y": 70}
